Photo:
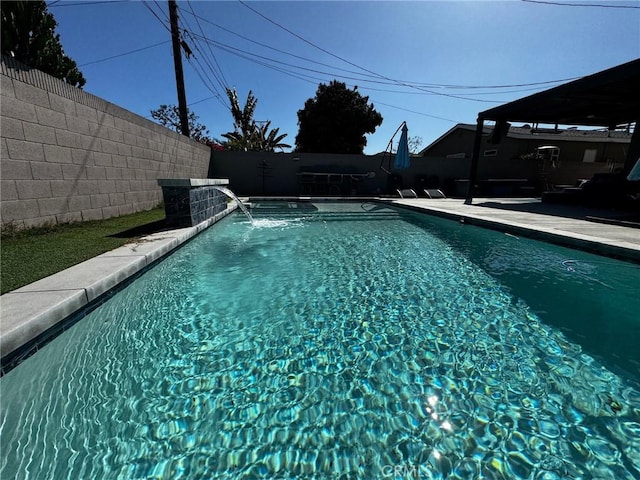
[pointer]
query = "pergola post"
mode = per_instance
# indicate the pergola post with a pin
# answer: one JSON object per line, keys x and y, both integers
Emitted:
{"x": 475, "y": 157}
{"x": 634, "y": 150}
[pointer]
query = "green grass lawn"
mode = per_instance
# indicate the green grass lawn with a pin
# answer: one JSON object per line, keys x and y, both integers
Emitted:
{"x": 33, "y": 254}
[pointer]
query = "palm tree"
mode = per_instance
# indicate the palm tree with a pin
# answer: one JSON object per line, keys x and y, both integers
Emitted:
{"x": 246, "y": 135}
{"x": 268, "y": 140}
{"x": 243, "y": 124}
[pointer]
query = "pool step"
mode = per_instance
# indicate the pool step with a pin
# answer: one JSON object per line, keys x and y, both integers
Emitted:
{"x": 326, "y": 216}
{"x": 321, "y": 211}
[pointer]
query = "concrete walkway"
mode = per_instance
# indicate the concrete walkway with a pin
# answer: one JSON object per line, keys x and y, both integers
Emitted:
{"x": 561, "y": 224}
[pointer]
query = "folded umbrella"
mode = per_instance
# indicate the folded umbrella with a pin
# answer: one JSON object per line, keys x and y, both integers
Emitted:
{"x": 401, "y": 160}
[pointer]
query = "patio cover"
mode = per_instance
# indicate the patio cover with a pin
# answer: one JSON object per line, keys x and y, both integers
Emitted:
{"x": 605, "y": 99}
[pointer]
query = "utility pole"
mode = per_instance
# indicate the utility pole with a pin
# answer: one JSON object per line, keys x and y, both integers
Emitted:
{"x": 177, "y": 61}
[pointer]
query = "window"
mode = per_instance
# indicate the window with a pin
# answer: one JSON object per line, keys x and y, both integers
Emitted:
{"x": 590, "y": 155}
{"x": 491, "y": 153}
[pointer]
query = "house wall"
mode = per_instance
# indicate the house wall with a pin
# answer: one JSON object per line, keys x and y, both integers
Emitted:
{"x": 67, "y": 155}
{"x": 459, "y": 141}
{"x": 609, "y": 155}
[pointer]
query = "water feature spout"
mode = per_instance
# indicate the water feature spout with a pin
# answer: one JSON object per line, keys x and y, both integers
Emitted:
{"x": 232, "y": 196}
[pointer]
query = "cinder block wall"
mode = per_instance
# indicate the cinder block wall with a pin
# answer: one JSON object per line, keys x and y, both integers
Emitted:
{"x": 262, "y": 173}
{"x": 67, "y": 155}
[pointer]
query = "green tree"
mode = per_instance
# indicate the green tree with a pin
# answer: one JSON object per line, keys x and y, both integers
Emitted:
{"x": 169, "y": 116}
{"x": 336, "y": 120}
{"x": 414, "y": 144}
{"x": 247, "y": 135}
{"x": 28, "y": 35}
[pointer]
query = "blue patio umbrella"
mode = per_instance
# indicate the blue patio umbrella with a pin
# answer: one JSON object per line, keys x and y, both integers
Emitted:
{"x": 402, "y": 154}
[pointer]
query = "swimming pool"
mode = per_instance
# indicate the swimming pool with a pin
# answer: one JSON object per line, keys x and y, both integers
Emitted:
{"x": 341, "y": 341}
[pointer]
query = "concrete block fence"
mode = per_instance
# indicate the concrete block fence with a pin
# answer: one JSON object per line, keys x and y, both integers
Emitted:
{"x": 263, "y": 173}
{"x": 67, "y": 155}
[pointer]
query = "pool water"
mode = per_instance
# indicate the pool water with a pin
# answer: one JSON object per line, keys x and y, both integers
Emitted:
{"x": 341, "y": 341}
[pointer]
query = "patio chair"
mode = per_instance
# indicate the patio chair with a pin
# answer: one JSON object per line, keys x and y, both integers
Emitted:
{"x": 407, "y": 193}
{"x": 434, "y": 193}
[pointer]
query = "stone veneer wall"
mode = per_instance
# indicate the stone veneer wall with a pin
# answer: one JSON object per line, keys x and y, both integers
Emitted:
{"x": 188, "y": 202}
{"x": 67, "y": 155}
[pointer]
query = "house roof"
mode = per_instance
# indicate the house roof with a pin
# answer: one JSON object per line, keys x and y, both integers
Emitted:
{"x": 526, "y": 132}
{"x": 607, "y": 98}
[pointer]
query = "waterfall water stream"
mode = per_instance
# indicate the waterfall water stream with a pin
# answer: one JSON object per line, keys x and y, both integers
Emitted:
{"x": 232, "y": 196}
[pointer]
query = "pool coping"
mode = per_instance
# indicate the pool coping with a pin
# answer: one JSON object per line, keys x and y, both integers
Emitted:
{"x": 30, "y": 312}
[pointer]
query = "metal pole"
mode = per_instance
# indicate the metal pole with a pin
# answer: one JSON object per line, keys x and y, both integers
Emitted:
{"x": 177, "y": 61}
{"x": 634, "y": 150}
{"x": 475, "y": 156}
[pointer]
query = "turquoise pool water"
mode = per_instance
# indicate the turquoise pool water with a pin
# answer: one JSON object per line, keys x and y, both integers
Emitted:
{"x": 341, "y": 341}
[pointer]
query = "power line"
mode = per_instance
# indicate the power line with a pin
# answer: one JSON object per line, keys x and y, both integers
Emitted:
{"x": 304, "y": 77}
{"x": 156, "y": 15}
{"x": 125, "y": 53}
{"x": 404, "y": 92}
{"x": 430, "y": 85}
{"x": 78, "y": 4}
{"x": 194, "y": 61}
{"x": 267, "y": 65}
{"x": 166, "y": 15}
{"x": 274, "y": 48}
{"x": 304, "y": 39}
{"x": 209, "y": 86}
{"x": 231, "y": 49}
{"x": 513, "y": 85}
{"x": 301, "y": 77}
{"x": 599, "y": 5}
{"x": 315, "y": 80}
{"x": 248, "y": 56}
{"x": 253, "y": 57}
{"x": 206, "y": 60}
{"x": 244, "y": 53}
{"x": 355, "y": 65}
{"x": 201, "y": 100}
{"x": 224, "y": 80}
{"x": 413, "y": 111}
{"x": 218, "y": 75}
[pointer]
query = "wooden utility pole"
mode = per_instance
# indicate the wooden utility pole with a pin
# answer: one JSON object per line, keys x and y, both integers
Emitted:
{"x": 177, "y": 61}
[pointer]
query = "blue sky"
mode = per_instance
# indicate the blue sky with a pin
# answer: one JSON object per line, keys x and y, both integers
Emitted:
{"x": 411, "y": 58}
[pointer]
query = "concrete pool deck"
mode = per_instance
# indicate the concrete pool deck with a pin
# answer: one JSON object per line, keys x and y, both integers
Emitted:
{"x": 560, "y": 224}
{"x": 35, "y": 312}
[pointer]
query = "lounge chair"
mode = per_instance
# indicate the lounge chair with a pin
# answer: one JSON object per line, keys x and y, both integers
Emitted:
{"x": 434, "y": 193}
{"x": 407, "y": 193}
